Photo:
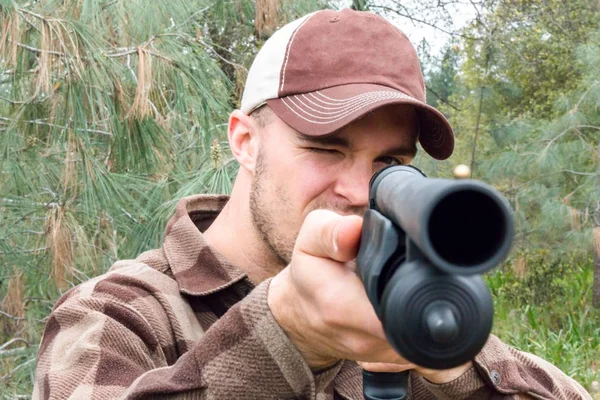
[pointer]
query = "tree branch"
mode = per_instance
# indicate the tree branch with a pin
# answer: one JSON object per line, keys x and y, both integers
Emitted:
{"x": 16, "y": 319}
{"x": 512, "y": 189}
{"x": 421, "y": 21}
{"x": 21, "y": 251}
{"x": 440, "y": 98}
{"x": 12, "y": 101}
{"x": 570, "y": 128}
{"x": 38, "y": 122}
{"x": 14, "y": 340}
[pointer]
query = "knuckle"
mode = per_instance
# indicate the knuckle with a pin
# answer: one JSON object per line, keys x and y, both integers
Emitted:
{"x": 360, "y": 347}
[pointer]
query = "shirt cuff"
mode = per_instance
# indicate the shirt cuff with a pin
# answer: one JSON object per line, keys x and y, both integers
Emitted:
{"x": 465, "y": 386}
{"x": 294, "y": 369}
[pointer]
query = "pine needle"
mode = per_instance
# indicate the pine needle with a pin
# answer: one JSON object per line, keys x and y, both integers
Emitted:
{"x": 44, "y": 60}
{"x": 69, "y": 170}
{"x": 60, "y": 245}
{"x": 15, "y": 34}
{"x": 5, "y": 29}
{"x": 13, "y": 304}
{"x": 141, "y": 106}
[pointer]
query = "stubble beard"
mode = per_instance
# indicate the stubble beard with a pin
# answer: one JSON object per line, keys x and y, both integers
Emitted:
{"x": 263, "y": 213}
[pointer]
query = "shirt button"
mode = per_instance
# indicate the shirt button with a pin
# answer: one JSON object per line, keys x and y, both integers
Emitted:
{"x": 495, "y": 376}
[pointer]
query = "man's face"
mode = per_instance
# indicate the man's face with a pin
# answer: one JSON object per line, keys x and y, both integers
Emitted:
{"x": 296, "y": 174}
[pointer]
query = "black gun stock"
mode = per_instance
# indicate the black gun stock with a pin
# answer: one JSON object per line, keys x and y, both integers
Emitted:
{"x": 424, "y": 245}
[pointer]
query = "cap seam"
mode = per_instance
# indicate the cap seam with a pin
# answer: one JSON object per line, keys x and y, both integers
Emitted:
{"x": 287, "y": 53}
{"x": 256, "y": 107}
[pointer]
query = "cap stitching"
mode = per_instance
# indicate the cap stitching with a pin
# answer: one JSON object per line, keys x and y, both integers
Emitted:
{"x": 356, "y": 96}
{"x": 318, "y": 102}
{"x": 344, "y": 113}
{"x": 346, "y": 103}
{"x": 352, "y": 107}
{"x": 349, "y": 105}
{"x": 432, "y": 140}
{"x": 287, "y": 53}
{"x": 357, "y": 99}
{"x": 436, "y": 137}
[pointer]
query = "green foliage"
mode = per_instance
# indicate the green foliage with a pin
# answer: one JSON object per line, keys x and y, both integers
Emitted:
{"x": 539, "y": 277}
{"x": 550, "y": 168}
{"x": 531, "y": 127}
{"x": 523, "y": 50}
{"x": 561, "y": 325}
{"x": 441, "y": 78}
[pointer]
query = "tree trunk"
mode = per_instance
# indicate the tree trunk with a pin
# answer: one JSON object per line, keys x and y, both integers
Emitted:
{"x": 596, "y": 288}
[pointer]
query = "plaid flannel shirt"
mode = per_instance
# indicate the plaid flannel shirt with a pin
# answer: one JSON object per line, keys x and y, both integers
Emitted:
{"x": 182, "y": 322}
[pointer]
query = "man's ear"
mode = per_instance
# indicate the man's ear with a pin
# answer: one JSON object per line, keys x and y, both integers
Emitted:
{"x": 244, "y": 140}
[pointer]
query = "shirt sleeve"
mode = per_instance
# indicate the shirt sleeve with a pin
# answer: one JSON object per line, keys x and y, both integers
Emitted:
{"x": 97, "y": 347}
{"x": 500, "y": 371}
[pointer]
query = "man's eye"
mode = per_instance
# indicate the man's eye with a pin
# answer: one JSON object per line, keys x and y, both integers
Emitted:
{"x": 390, "y": 160}
{"x": 325, "y": 151}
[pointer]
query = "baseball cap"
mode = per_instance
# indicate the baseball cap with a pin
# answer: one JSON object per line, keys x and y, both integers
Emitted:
{"x": 329, "y": 68}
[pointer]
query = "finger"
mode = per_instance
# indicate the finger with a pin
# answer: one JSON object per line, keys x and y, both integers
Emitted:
{"x": 386, "y": 367}
{"x": 326, "y": 234}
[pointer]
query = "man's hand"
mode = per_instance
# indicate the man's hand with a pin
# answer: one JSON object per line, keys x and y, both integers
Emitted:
{"x": 321, "y": 304}
{"x": 320, "y": 301}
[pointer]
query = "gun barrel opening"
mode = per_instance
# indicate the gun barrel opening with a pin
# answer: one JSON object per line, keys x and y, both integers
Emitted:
{"x": 468, "y": 228}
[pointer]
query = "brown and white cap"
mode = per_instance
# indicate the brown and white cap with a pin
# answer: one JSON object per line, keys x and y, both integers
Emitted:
{"x": 326, "y": 69}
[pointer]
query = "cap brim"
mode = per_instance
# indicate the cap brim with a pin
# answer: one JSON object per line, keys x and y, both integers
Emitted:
{"x": 324, "y": 111}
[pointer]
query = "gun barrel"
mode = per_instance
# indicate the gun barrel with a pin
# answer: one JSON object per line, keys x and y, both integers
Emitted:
{"x": 463, "y": 227}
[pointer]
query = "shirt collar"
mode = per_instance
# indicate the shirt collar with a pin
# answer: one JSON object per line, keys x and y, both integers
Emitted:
{"x": 198, "y": 268}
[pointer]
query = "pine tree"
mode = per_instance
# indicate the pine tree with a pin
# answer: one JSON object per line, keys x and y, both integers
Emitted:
{"x": 441, "y": 79}
{"x": 527, "y": 48}
{"x": 550, "y": 168}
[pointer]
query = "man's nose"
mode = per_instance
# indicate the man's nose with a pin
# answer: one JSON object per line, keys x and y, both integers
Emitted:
{"x": 353, "y": 184}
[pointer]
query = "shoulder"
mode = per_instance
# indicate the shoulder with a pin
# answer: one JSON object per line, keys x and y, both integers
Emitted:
{"x": 126, "y": 281}
{"x": 132, "y": 290}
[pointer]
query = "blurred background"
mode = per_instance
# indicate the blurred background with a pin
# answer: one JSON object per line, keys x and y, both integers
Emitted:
{"x": 112, "y": 110}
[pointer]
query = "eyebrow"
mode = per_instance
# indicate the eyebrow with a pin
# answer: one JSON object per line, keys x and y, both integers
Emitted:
{"x": 334, "y": 140}
{"x": 328, "y": 140}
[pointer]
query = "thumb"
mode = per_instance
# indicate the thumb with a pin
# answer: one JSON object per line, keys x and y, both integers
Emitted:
{"x": 326, "y": 234}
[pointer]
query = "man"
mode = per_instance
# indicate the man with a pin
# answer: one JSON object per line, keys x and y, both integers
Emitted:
{"x": 256, "y": 296}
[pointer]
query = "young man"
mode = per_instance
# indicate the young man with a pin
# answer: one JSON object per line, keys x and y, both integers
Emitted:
{"x": 255, "y": 296}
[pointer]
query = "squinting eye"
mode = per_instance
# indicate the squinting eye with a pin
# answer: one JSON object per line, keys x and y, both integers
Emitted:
{"x": 325, "y": 151}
